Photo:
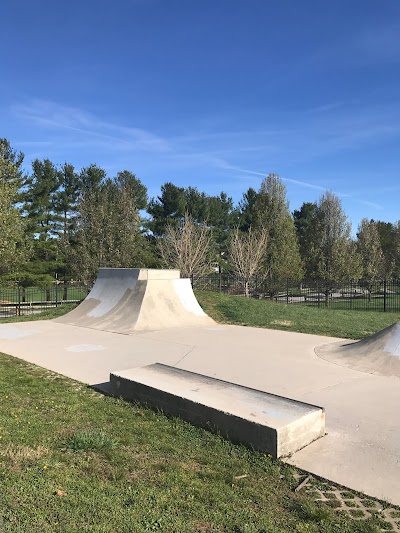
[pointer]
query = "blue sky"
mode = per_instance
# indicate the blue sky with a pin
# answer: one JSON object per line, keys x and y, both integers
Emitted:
{"x": 212, "y": 94}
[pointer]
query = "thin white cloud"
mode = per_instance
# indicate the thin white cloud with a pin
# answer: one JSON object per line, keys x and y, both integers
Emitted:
{"x": 55, "y": 117}
{"x": 374, "y": 205}
{"x": 264, "y": 174}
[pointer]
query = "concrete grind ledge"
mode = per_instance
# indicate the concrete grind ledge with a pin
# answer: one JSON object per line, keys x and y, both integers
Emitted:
{"x": 265, "y": 422}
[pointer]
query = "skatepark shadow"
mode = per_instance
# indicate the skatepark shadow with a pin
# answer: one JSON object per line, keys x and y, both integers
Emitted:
{"x": 103, "y": 388}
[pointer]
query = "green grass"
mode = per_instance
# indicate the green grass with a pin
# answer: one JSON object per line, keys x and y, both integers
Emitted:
{"x": 72, "y": 459}
{"x": 361, "y": 304}
{"x": 291, "y": 317}
{"x": 37, "y": 294}
{"x": 45, "y": 314}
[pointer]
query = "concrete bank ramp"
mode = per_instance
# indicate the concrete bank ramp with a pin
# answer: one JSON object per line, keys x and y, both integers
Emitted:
{"x": 264, "y": 421}
{"x": 377, "y": 354}
{"x": 129, "y": 300}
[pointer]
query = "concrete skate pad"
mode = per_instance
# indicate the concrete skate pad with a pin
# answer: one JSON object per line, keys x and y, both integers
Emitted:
{"x": 362, "y": 447}
{"x": 378, "y": 354}
{"x": 264, "y": 421}
{"x": 127, "y": 300}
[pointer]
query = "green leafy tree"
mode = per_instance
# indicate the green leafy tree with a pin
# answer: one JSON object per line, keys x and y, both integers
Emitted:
{"x": 395, "y": 252}
{"x": 387, "y": 236}
{"x": 11, "y": 166}
{"x": 331, "y": 253}
{"x": 14, "y": 250}
{"x": 108, "y": 226}
{"x": 371, "y": 255}
{"x": 128, "y": 182}
{"x": 271, "y": 211}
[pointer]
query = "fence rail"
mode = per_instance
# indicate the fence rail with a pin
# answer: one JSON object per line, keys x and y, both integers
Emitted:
{"x": 360, "y": 295}
{"x": 20, "y": 301}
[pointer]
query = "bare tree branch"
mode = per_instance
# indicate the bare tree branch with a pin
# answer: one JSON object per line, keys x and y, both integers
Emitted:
{"x": 187, "y": 246}
{"x": 246, "y": 252}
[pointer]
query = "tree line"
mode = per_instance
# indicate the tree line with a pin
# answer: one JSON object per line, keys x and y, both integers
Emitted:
{"x": 60, "y": 222}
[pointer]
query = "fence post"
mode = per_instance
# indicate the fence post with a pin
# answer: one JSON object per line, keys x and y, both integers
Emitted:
{"x": 220, "y": 280}
{"x": 56, "y": 294}
{"x": 287, "y": 290}
{"x": 319, "y": 296}
{"x": 384, "y": 295}
{"x": 19, "y": 301}
{"x": 352, "y": 295}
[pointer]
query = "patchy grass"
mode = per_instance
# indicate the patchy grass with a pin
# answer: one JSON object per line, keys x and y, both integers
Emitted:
{"x": 74, "y": 460}
{"x": 290, "y": 317}
{"x": 89, "y": 440}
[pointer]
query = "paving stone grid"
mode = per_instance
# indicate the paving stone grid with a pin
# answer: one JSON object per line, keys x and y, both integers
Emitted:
{"x": 344, "y": 501}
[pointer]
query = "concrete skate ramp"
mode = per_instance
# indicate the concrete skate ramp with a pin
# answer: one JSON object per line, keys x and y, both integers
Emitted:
{"x": 377, "y": 354}
{"x": 129, "y": 300}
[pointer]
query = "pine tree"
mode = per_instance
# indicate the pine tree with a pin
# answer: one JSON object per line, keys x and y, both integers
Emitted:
{"x": 39, "y": 208}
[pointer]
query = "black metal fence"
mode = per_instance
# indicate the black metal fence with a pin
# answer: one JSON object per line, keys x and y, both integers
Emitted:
{"x": 20, "y": 301}
{"x": 360, "y": 295}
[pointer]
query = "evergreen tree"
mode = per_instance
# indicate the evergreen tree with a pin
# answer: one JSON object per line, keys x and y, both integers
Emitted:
{"x": 302, "y": 220}
{"x": 90, "y": 179}
{"x": 39, "y": 208}
{"x": 66, "y": 199}
{"x": 246, "y": 209}
{"x": 65, "y": 206}
{"x": 167, "y": 209}
{"x": 215, "y": 212}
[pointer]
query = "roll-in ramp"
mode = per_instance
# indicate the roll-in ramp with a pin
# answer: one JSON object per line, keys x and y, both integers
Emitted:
{"x": 129, "y": 300}
{"x": 377, "y": 354}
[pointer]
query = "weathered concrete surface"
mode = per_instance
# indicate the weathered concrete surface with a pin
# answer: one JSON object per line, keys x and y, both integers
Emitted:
{"x": 264, "y": 421}
{"x": 85, "y": 354}
{"x": 377, "y": 354}
{"x": 126, "y": 300}
{"x": 362, "y": 446}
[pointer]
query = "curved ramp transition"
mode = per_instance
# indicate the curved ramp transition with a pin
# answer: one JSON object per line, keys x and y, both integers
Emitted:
{"x": 377, "y": 354}
{"x": 128, "y": 300}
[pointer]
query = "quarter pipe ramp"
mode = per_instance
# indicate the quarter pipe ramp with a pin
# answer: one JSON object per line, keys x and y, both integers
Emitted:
{"x": 129, "y": 300}
{"x": 377, "y": 354}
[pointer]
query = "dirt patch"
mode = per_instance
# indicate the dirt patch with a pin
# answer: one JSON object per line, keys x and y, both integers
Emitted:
{"x": 285, "y": 323}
